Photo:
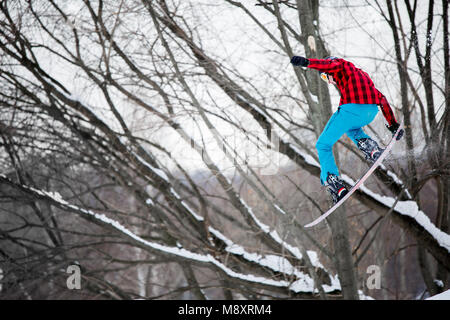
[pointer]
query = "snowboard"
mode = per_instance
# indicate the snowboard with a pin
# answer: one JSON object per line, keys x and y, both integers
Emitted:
{"x": 375, "y": 165}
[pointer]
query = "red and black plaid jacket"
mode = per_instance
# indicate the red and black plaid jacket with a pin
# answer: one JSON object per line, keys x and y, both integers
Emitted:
{"x": 354, "y": 85}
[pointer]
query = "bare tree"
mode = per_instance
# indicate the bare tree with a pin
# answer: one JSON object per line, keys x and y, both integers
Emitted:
{"x": 106, "y": 109}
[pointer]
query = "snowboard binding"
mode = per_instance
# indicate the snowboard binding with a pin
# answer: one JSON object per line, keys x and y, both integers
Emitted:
{"x": 335, "y": 187}
{"x": 370, "y": 149}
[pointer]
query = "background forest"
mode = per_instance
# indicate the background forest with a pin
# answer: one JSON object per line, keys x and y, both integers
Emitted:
{"x": 166, "y": 149}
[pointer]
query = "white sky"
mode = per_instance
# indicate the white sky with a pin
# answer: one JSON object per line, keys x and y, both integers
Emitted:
{"x": 357, "y": 33}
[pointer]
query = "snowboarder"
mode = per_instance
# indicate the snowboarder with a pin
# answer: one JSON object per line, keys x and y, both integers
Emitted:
{"x": 357, "y": 108}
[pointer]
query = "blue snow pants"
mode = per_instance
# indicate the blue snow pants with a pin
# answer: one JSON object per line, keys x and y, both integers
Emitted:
{"x": 349, "y": 119}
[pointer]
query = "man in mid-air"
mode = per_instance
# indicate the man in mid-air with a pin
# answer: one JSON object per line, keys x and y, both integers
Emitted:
{"x": 357, "y": 108}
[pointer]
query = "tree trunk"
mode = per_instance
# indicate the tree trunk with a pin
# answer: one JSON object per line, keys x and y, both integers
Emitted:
{"x": 309, "y": 16}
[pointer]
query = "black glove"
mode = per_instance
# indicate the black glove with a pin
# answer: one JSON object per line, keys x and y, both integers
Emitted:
{"x": 299, "y": 61}
{"x": 393, "y": 128}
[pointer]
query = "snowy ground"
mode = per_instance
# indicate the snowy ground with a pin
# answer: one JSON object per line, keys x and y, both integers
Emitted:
{"x": 442, "y": 296}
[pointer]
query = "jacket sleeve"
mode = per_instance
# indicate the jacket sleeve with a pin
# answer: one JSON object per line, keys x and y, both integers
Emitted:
{"x": 387, "y": 112}
{"x": 326, "y": 65}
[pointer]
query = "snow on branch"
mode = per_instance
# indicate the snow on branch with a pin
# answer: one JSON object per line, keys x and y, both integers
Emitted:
{"x": 303, "y": 284}
{"x": 411, "y": 209}
{"x": 408, "y": 208}
{"x": 273, "y": 262}
{"x": 405, "y": 208}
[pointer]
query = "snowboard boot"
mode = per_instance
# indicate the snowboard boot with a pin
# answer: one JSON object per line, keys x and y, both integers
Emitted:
{"x": 370, "y": 149}
{"x": 335, "y": 187}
